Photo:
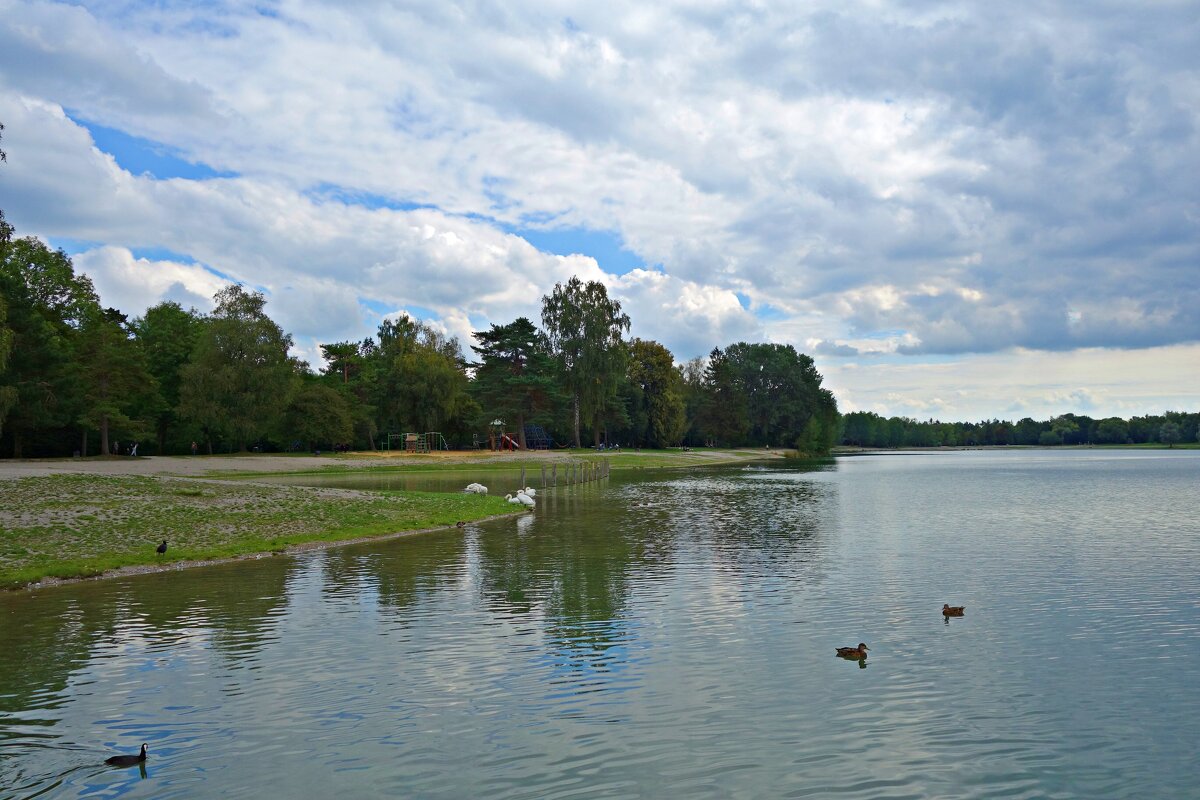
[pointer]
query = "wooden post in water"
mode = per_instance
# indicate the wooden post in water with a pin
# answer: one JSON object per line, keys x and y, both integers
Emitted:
{"x": 554, "y": 475}
{"x": 543, "y": 476}
{"x": 521, "y": 485}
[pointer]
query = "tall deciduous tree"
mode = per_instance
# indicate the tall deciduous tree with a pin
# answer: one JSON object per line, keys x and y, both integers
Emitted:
{"x": 167, "y": 335}
{"x": 1169, "y": 434}
{"x": 417, "y": 380}
{"x": 585, "y": 329}
{"x": 8, "y": 394}
{"x": 345, "y": 364}
{"x": 113, "y": 373}
{"x": 238, "y": 379}
{"x": 514, "y": 378}
{"x": 47, "y": 303}
{"x": 770, "y": 394}
{"x": 318, "y": 414}
{"x": 652, "y": 369}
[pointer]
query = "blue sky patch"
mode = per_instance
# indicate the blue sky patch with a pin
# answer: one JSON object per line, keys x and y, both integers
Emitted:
{"x": 605, "y": 246}
{"x": 327, "y": 192}
{"x": 163, "y": 254}
{"x": 143, "y": 156}
{"x": 72, "y": 247}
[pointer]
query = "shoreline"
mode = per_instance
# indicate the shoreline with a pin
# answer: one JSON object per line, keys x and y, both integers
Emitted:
{"x": 289, "y": 550}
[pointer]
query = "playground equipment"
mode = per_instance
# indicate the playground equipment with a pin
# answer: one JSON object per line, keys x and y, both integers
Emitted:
{"x": 416, "y": 442}
{"x": 536, "y": 438}
{"x": 498, "y": 439}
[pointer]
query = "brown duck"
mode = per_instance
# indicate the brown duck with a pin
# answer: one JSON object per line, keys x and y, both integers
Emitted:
{"x": 952, "y": 611}
{"x": 857, "y": 653}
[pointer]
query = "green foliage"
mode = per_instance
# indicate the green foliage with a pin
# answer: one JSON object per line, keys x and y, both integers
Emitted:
{"x": 318, "y": 415}
{"x": 416, "y": 380}
{"x": 585, "y": 328}
{"x": 1169, "y": 434}
{"x": 238, "y": 379}
{"x": 764, "y": 394}
{"x": 1113, "y": 430}
{"x": 113, "y": 375}
{"x": 46, "y": 306}
{"x": 515, "y": 378}
{"x": 867, "y": 429}
{"x": 660, "y": 412}
{"x": 167, "y": 335}
{"x": 8, "y": 394}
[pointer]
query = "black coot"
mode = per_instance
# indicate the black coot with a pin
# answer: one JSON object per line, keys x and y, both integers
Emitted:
{"x": 127, "y": 761}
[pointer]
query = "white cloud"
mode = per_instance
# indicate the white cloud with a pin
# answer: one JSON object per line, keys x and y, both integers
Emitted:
{"x": 134, "y": 284}
{"x": 872, "y": 179}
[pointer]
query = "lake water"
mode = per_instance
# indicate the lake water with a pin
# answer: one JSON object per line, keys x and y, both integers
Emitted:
{"x": 669, "y": 635}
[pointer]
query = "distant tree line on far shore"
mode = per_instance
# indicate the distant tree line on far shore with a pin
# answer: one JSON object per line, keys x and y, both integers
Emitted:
{"x": 76, "y": 377}
{"x": 866, "y": 429}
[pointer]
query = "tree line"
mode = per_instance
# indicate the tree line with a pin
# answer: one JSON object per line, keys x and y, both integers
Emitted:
{"x": 77, "y": 377}
{"x": 867, "y": 429}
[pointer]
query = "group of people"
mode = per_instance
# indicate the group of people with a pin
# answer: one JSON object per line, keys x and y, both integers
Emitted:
{"x": 128, "y": 451}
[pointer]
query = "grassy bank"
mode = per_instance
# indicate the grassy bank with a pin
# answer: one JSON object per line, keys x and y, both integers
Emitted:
{"x": 67, "y": 526}
{"x": 473, "y": 465}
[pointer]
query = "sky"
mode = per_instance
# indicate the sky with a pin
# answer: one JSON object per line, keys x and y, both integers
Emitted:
{"x": 961, "y": 210}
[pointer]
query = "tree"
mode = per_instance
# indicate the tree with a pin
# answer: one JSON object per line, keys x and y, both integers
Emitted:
{"x": 318, "y": 414}
{"x": 416, "y": 379}
{"x": 8, "y": 394}
{"x": 1112, "y": 431}
{"x": 585, "y": 327}
{"x": 113, "y": 373}
{"x": 345, "y": 367}
{"x": 652, "y": 370}
{"x": 239, "y": 375}
{"x": 5, "y": 228}
{"x": 514, "y": 378}
{"x": 768, "y": 393}
{"x": 1063, "y": 428}
{"x": 1169, "y": 434}
{"x": 46, "y": 306}
{"x": 167, "y": 335}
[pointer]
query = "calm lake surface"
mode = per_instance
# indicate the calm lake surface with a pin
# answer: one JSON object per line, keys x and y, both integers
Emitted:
{"x": 665, "y": 636}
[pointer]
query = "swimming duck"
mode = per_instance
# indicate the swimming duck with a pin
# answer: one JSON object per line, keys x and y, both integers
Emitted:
{"x": 858, "y": 653}
{"x": 952, "y": 611}
{"x": 127, "y": 761}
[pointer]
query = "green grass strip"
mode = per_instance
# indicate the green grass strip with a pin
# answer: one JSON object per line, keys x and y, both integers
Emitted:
{"x": 68, "y": 526}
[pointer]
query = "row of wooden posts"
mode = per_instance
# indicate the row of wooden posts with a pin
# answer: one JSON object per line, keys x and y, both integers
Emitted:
{"x": 572, "y": 473}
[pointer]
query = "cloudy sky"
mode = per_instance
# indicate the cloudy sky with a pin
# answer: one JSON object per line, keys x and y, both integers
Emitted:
{"x": 961, "y": 210}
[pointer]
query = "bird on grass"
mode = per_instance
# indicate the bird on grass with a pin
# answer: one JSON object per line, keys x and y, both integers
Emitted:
{"x": 952, "y": 611}
{"x": 162, "y": 548}
{"x": 127, "y": 761}
{"x": 856, "y": 653}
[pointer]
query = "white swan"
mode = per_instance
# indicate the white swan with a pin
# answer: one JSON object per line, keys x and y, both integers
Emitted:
{"x": 513, "y": 500}
{"x": 525, "y": 499}
{"x": 529, "y": 490}
{"x": 475, "y": 488}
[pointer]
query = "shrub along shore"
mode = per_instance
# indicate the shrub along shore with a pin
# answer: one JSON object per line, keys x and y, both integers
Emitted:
{"x": 72, "y": 519}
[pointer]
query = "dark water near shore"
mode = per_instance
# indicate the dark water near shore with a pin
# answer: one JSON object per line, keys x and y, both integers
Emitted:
{"x": 658, "y": 637}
